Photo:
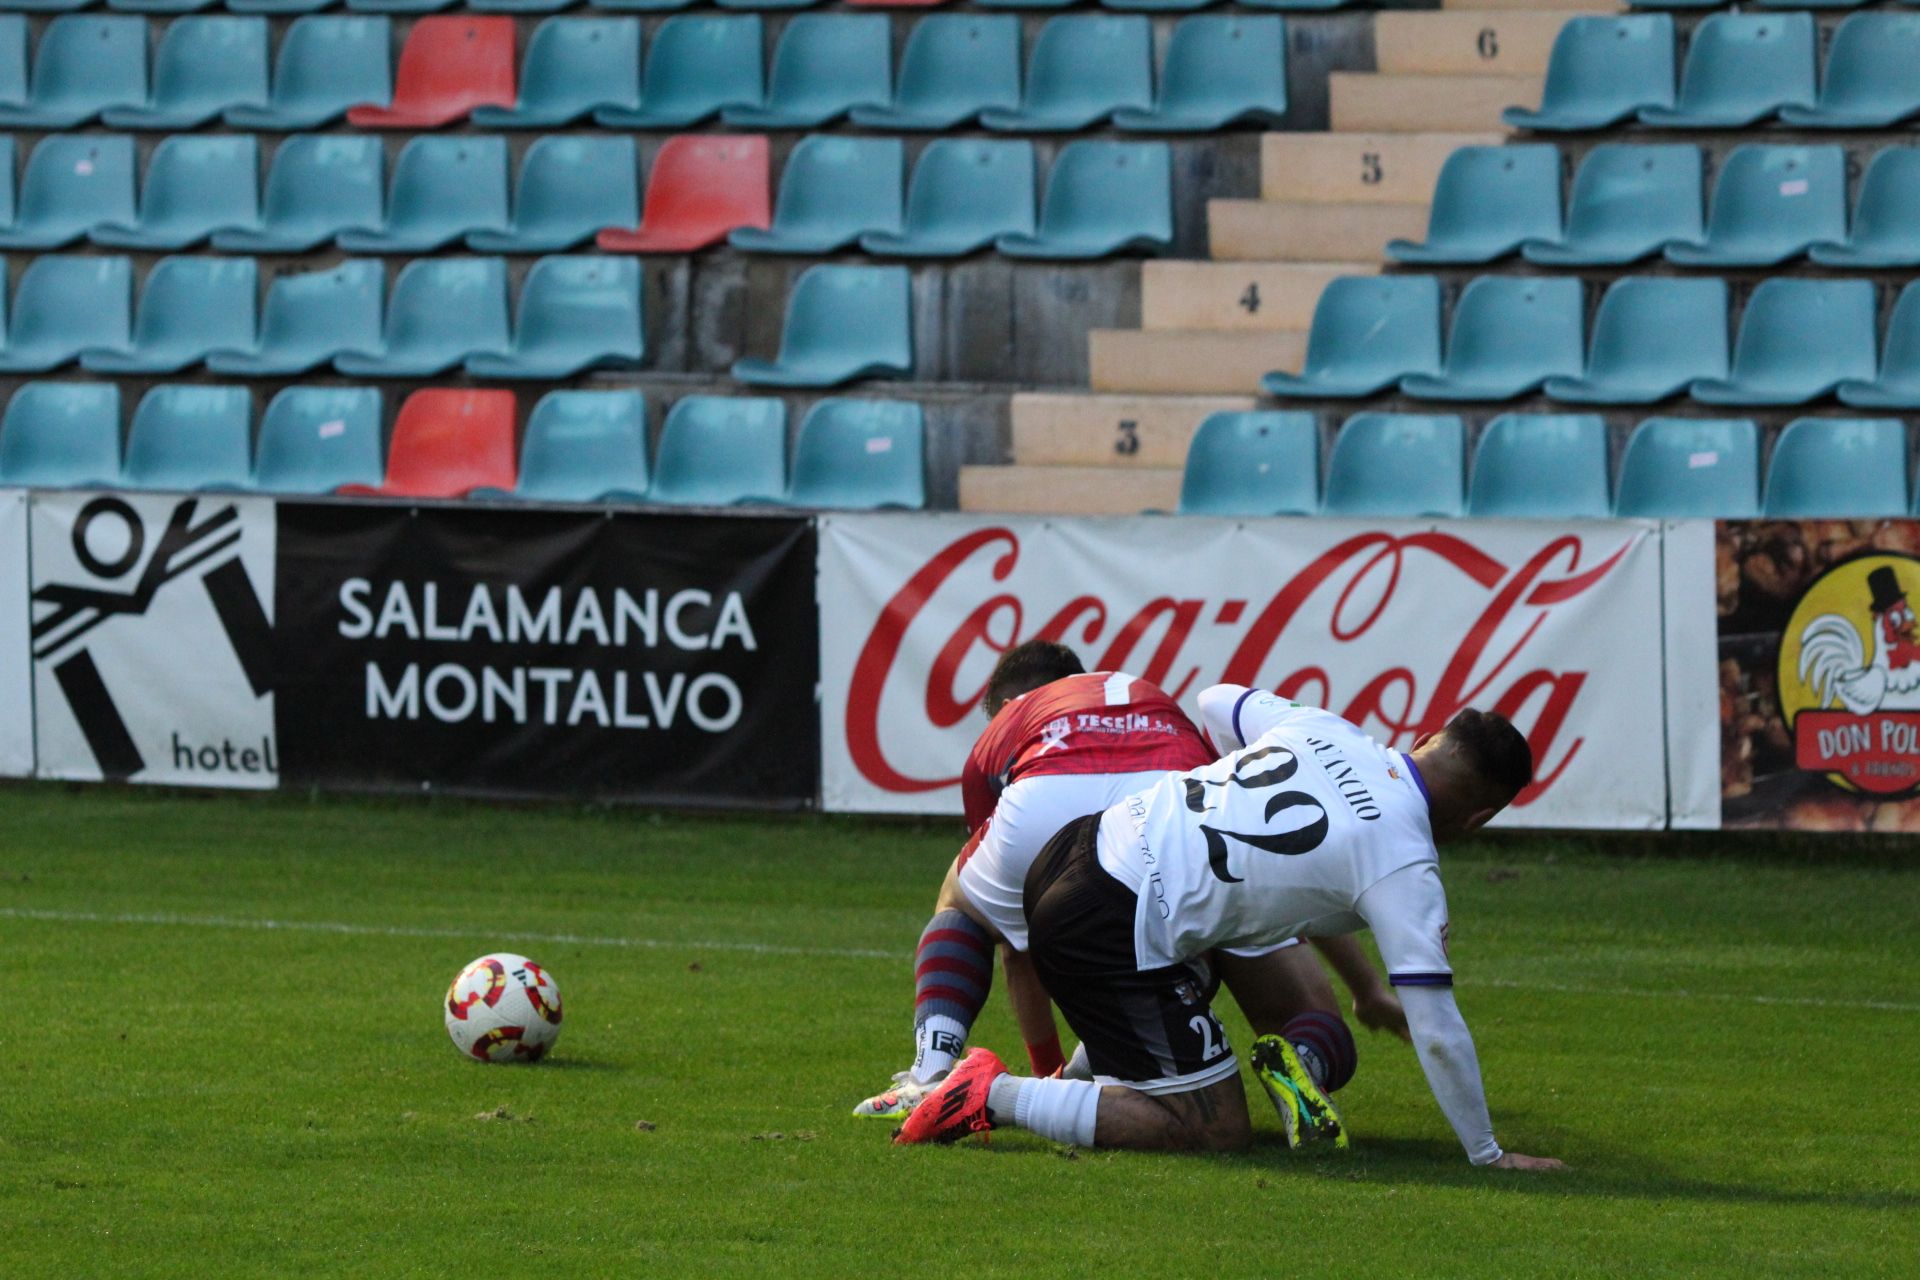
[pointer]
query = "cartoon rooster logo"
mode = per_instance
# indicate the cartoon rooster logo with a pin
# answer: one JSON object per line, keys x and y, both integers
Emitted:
{"x": 1835, "y": 665}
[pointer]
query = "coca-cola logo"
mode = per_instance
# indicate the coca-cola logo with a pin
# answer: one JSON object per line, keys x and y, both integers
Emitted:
{"x": 1483, "y": 613}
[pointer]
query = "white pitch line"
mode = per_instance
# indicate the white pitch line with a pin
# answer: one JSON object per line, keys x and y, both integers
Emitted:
{"x": 839, "y": 953}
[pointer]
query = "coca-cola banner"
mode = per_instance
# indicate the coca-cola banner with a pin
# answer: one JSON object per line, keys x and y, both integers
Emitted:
{"x": 1395, "y": 625}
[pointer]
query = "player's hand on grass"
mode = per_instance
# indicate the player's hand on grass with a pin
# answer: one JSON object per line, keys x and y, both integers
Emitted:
{"x": 1533, "y": 1164}
{"x": 1379, "y": 1010}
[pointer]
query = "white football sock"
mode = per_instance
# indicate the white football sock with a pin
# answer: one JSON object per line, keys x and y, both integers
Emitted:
{"x": 1078, "y": 1067}
{"x": 931, "y": 1058}
{"x": 1063, "y": 1110}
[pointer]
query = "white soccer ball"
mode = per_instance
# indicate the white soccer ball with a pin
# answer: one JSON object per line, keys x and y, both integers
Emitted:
{"x": 503, "y": 1008}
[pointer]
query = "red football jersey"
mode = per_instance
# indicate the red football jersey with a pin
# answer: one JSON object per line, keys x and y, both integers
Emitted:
{"x": 1100, "y": 722}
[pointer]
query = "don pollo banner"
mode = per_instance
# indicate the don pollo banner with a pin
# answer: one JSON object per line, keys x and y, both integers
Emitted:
{"x": 1395, "y": 626}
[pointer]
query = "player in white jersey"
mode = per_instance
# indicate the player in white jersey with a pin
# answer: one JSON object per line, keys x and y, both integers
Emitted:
{"x": 1307, "y": 826}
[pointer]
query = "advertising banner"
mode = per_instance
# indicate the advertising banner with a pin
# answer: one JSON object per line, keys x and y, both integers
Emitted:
{"x": 16, "y": 652}
{"x": 540, "y": 652}
{"x": 1393, "y": 625}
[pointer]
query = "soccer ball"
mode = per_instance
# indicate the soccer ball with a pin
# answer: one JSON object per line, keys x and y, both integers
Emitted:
{"x": 503, "y": 1008}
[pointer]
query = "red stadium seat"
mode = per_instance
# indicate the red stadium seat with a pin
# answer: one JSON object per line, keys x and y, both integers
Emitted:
{"x": 700, "y": 188}
{"x": 448, "y": 67}
{"x": 447, "y": 443}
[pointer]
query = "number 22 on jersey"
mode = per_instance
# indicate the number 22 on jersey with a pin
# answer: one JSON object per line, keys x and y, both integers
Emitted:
{"x": 1291, "y": 822}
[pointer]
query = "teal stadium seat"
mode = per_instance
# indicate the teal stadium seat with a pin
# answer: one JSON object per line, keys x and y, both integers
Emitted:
{"x": 279, "y": 8}
{"x": 716, "y": 451}
{"x": 1157, "y": 6}
{"x": 585, "y": 446}
{"x": 160, "y": 6}
{"x": 190, "y": 306}
{"x": 825, "y": 65}
{"x": 1601, "y": 72}
{"x": 442, "y": 312}
{"x": 1799, "y": 340}
{"x": 1885, "y": 231}
{"x": 1691, "y": 468}
{"x": 1897, "y": 384}
{"x": 1368, "y": 333}
{"x": 573, "y": 67}
{"x": 954, "y": 66}
{"x": 1220, "y": 68}
{"x": 73, "y": 183}
{"x": 860, "y": 454}
{"x": 1300, "y": 6}
{"x": 399, "y": 6}
{"x": 443, "y": 188}
{"x": 1398, "y": 464}
{"x": 518, "y": 6}
{"x": 1870, "y": 81}
{"x": 7, "y": 194}
{"x": 1253, "y": 464}
{"x": 196, "y": 184}
{"x": 766, "y": 4}
{"x": 1741, "y": 68}
{"x": 62, "y": 435}
{"x": 1839, "y": 469}
{"x": 1629, "y": 202}
{"x": 1770, "y": 204}
{"x": 319, "y": 185}
{"x": 1541, "y": 466}
{"x": 576, "y": 313}
{"x": 13, "y": 59}
{"x": 1653, "y": 337}
{"x": 641, "y": 6}
{"x": 965, "y": 193}
{"x": 202, "y": 67}
{"x": 187, "y": 437}
{"x": 696, "y": 65}
{"x": 325, "y": 65}
{"x": 83, "y": 65}
{"x": 832, "y": 190}
{"x": 50, "y": 6}
{"x": 315, "y": 439}
{"x": 309, "y": 318}
{"x": 842, "y": 323}
{"x": 1102, "y": 198}
{"x": 1509, "y": 335}
{"x": 1025, "y": 4}
{"x": 570, "y": 187}
{"x": 65, "y": 305}
{"x": 1084, "y": 67}
{"x": 1487, "y": 202}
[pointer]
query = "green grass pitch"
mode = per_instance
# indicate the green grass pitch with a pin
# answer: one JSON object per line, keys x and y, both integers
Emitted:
{"x": 225, "y": 1058}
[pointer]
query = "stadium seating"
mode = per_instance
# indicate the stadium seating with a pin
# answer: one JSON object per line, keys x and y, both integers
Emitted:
{"x": 1653, "y": 337}
{"x": 1885, "y": 231}
{"x": 82, "y": 65}
{"x": 190, "y": 437}
{"x": 1770, "y": 204}
{"x": 196, "y": 184}
{"x": 575, "y": 313}
{"x": 310, "y": 318}
{"x": 400, "y": 6}
{"x": 1741, "y": 68}
{"x": 1398, "y": 464}
{"x": 860, "y": 454}
{"x": 448, "y": 443}
{"x": 61, "y": 435}
{"x": 699, "y": 189}
{"x": 13, "y": 58}
{"x": 1082, "y": 70}
{"x": 842, "y": 323}
{"x": 642, "y": 6}
{"x": 965, "y": 193}
{"x": 442, "y": 311}
{"x": 1897, "y": 384}
{"x": 1253, "y": 464}
{"x": 716, "y": 451}
{"x": 1869, "y": 81}
{"x": 574, "y": 67}
{"x": 1219, "y": 69}
{"x": 325, "y": 65}
{"x": 443, "y": 188}
{"x": 954, "y": 66}
{"x": 1601, "y": 72}
{"x": 1799, "y": 340}
{"x": 73, "y": 183}
{"x": 1543, "y": 466}
{"x": 825, "y": 65}
{"x": 448, "y": 66}
{"x": 585, "y": 446}
{"x": 316, "y": 439}
{"x": 278, "y": 7}
{"x": 190, "y": 306}
{"x": 570, "y": 187}
{"x": 1678, "y": 468}
{"x": 1509, "y": 335}
{"x": 201, "y": 67}
{"x": 1368, "y": 333}
{"x": 65, "y": 305}
{"x": 1628, "y": 203}
{"x": 318, "y": 186}
{"x": 832, "y": 190}
{"x": 696, "y": 66}
{"x": 518, "y": 6}
{"x": 1850, "y": 468}
{"x": 1487, "y": 203}
{"x": 1102, "y": 198}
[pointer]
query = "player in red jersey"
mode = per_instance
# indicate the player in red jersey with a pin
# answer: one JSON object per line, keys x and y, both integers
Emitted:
{"x": 1064, "y": 743}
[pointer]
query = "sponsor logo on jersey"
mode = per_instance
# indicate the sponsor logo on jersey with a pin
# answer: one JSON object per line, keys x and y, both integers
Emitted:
{"x": 1849, "y": 676}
